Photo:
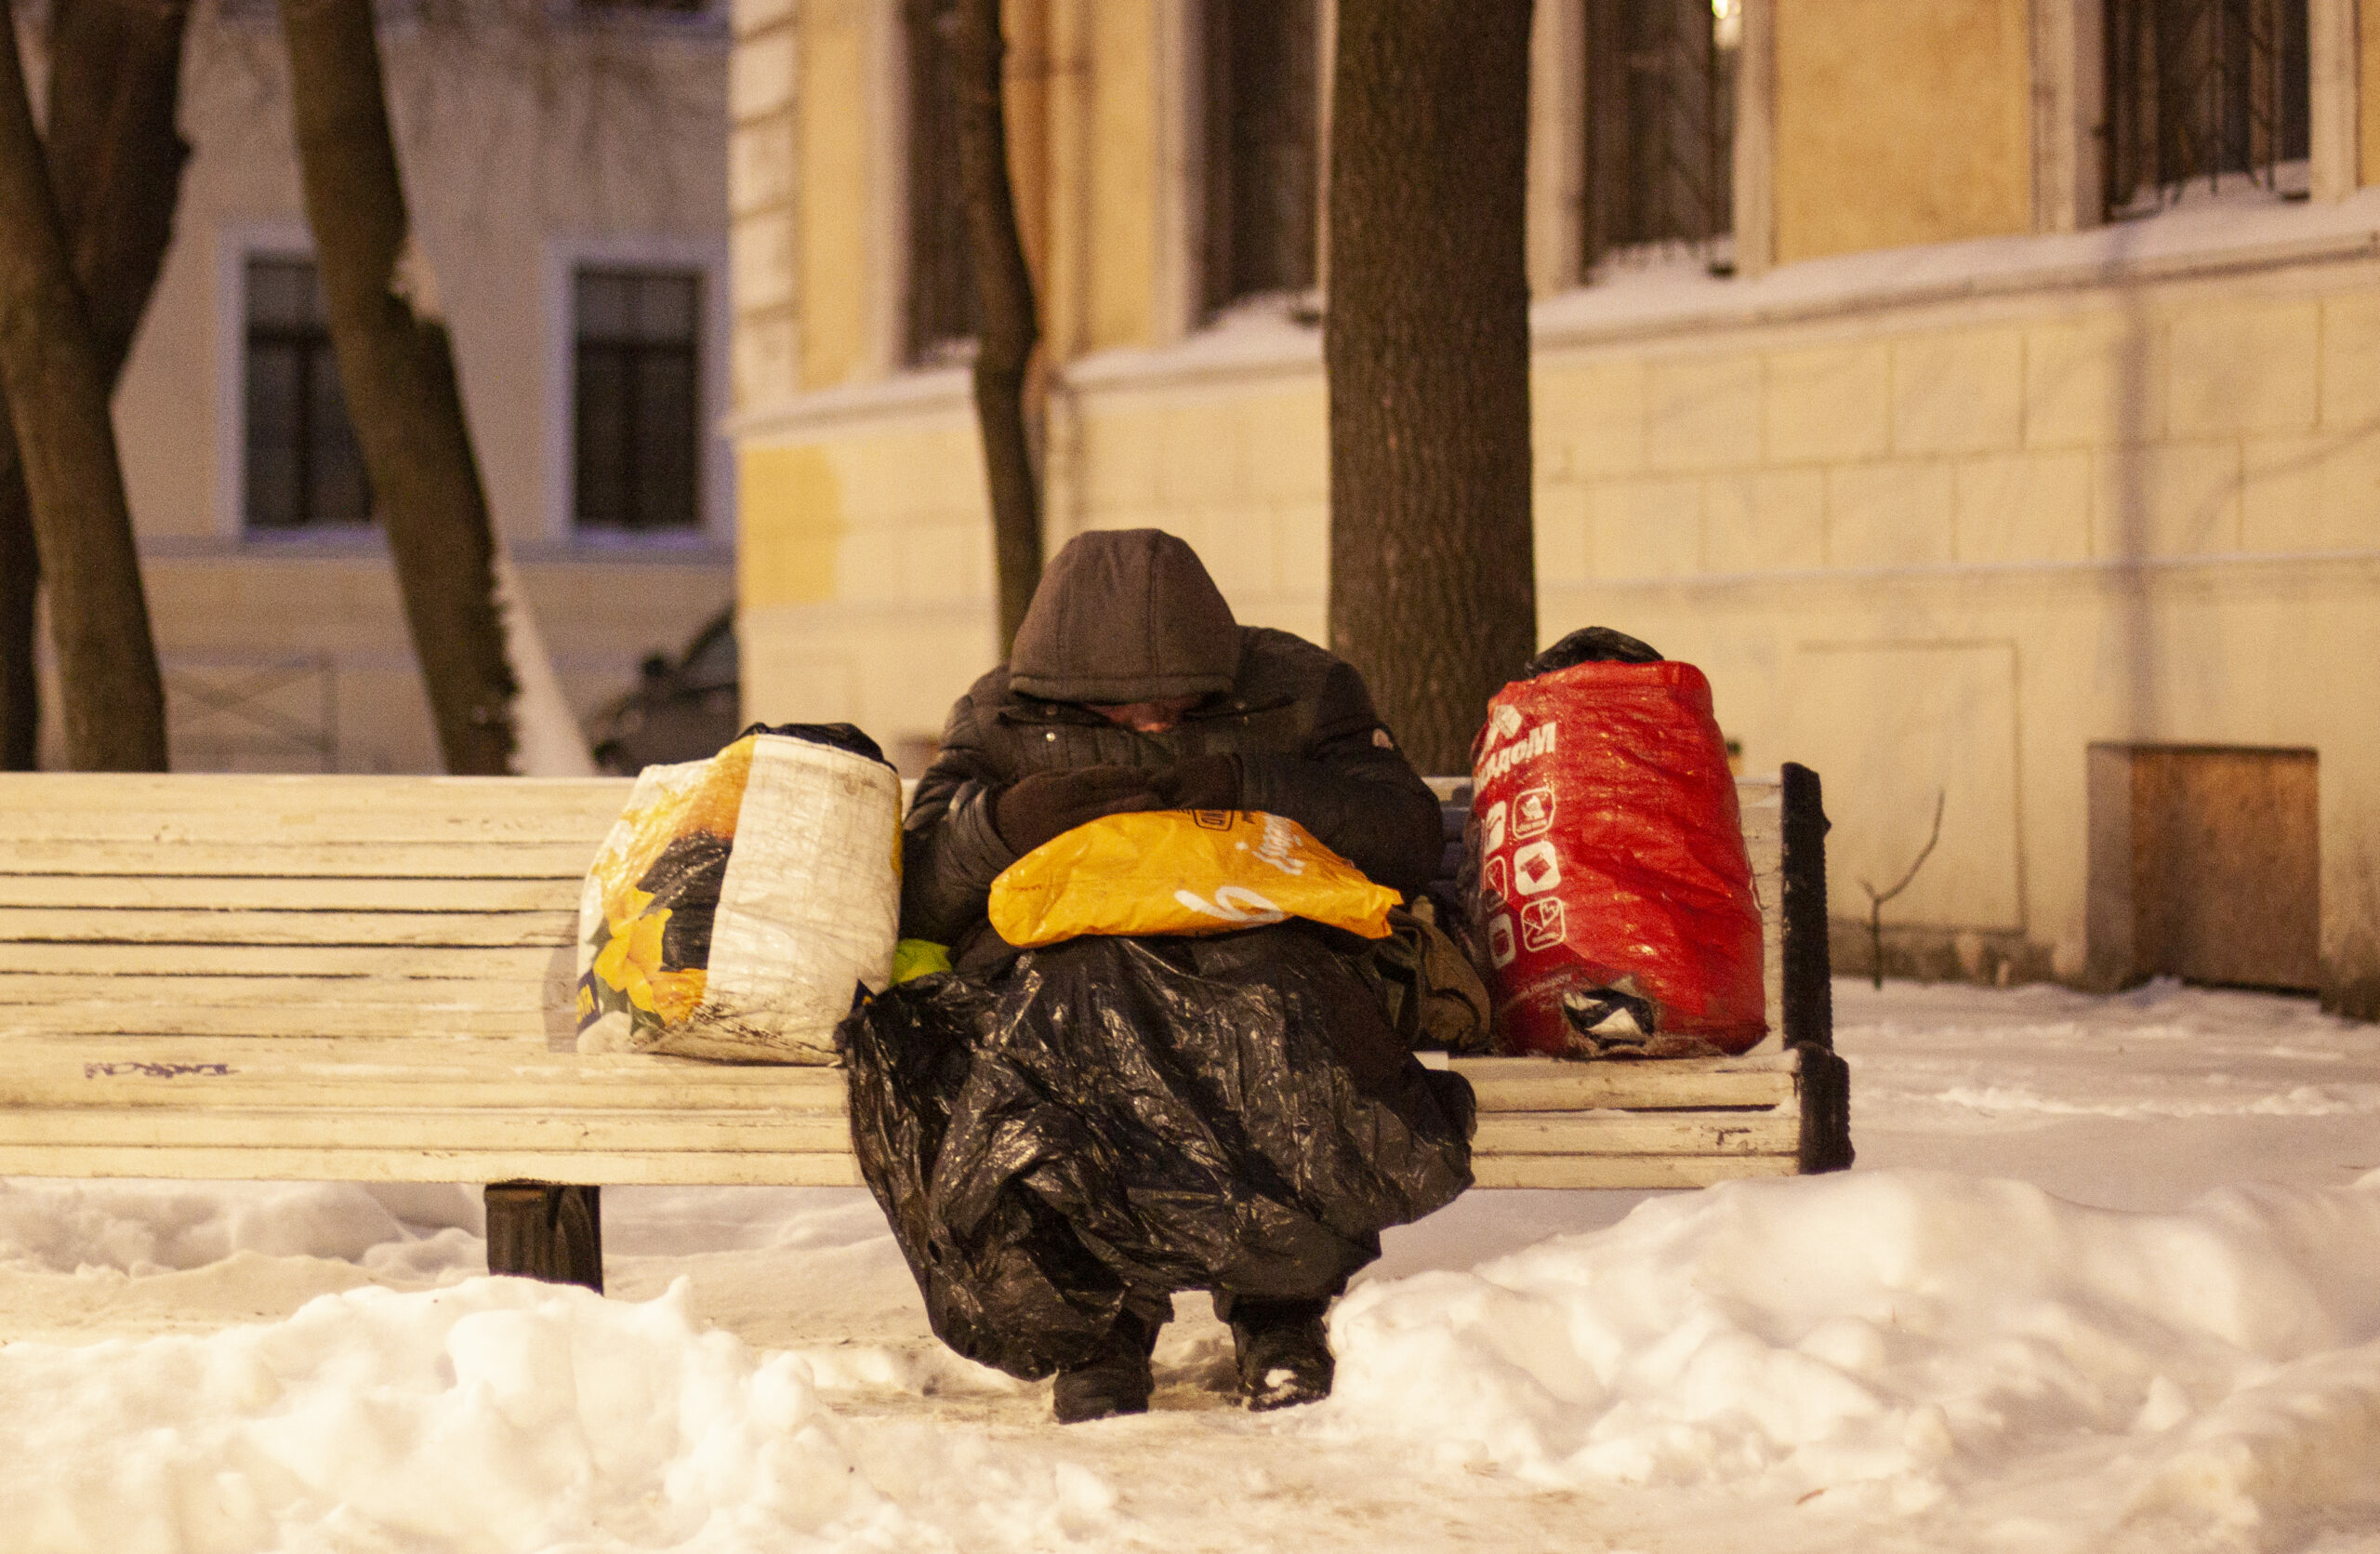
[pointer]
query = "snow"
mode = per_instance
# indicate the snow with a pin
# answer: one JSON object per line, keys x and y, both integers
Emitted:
{"x": 2106, "y": 1277}
{"x": 2203, "y": 231}
{"x": 1674, "y": 292}
{"x": 547, "y": 739}
{"x": 1906, "y": 1340}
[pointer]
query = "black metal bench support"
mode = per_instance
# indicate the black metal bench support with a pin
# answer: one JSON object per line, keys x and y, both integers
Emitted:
{"x": 1808, "y": 994}
{"x": 546, "y": 1230}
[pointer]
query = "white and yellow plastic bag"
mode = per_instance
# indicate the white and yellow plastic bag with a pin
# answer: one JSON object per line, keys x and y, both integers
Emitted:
{"x": 740, "y": 902}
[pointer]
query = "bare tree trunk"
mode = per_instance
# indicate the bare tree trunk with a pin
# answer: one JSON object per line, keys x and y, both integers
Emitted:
{"x": 19, "y": 601}
{"x": 116, "y": 164}
{"x": 57, "y": 386}
{"x": 397, "y": 364}
{"x": 1003, "y": 304}
{"x": 115, "y": 156}
{"x": 1433, "y": 569}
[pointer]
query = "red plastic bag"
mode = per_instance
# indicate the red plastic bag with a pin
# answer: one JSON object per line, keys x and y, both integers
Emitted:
{"x": 1610, "y": 871}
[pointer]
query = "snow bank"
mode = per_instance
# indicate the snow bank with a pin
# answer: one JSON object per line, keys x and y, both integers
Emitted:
{"x": 1907, "y": 1336}
{"x": 494, "y": 1415}
{"x": 153, "y": 1226}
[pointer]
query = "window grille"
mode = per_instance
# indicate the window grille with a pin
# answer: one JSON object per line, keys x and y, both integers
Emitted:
{"x": 303, "y": 468}
{"x": 1660, "y": 126}
{"x": 638, "y": 399}
{"x": 1262, "y": 156}
{"x": 2201, "y": 89}
{"x": 941, "y": 318}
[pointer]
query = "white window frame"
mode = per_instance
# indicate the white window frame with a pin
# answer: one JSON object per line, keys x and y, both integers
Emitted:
{"x": 235, "y": 244}
{"x": 715, "y": 490}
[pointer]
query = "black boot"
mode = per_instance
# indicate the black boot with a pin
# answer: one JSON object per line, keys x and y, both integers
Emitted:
{"x": 1284, "y": 1356}
{"x": 1114, "y": 1380}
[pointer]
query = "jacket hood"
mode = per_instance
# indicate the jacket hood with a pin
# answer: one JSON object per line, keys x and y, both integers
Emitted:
{"x": 1121, "y": 616}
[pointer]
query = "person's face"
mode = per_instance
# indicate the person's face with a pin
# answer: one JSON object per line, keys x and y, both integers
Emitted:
{"x": 1146, "y": 717}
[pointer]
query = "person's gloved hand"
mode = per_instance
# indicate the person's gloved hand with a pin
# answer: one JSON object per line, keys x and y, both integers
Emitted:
{"x": 1032, "y": 810}
{"x": 1201, "y": 783}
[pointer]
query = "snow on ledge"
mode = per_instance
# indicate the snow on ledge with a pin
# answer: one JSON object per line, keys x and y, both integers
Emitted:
{"x": 2209, "y": 234}
{"x": 1268, "y": 340}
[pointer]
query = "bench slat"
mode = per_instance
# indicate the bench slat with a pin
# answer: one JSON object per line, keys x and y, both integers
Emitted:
{"x": 456, "y": 1094}
{"x": 358, "y": 1126}
{"x": 449, "y": 860}
{"x": 1761, "y": 807}
{"x": 1643, "y": 1172}
{"x": 797, "y": 1130}
{"x": 1553, "y": 1084}
{"x": 696, "y": 1168}
{"x": 157, "y": 996}
{"x": 299, "y": 793}
{"x": 1637, "y": 1132}
{"x": 57, "y": 1061}
{"x": 390, "y": 964}
{"x": 56, "y": 1070}
{"x": 364, "y": 1109}
{"x": 174, "y": 926}
{"x": 586, "y": 1167}
{"x": 478, "y": 1024}
{"x": 218, "y": 893}
{"x": 279, "y": 829}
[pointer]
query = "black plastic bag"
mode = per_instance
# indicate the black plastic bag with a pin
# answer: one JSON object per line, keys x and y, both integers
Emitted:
{"x": 838, "y": 736}
{"x": 1591, "y": 645}
{"x": 1115, "y": 1117}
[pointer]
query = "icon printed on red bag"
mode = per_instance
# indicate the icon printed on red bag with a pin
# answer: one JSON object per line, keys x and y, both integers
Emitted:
{"x": 1492, "y": 828}
{"x": 1498, "y": 880}
{"x": 1533, "y": 812}
{"x": 1500, "y": 940}
{"x": 1542, "y": 924}
{"x": 1502, "y": 723}
{"x": 1535, "y": 870}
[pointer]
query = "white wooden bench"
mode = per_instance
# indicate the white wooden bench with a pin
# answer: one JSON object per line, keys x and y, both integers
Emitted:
{"x": 364, "y": 978}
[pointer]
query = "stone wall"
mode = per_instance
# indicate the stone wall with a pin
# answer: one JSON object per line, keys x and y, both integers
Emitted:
{"x": 1933, "y": 520}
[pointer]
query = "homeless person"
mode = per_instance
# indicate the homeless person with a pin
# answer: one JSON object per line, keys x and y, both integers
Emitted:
{"x": 1064, "y": 1136}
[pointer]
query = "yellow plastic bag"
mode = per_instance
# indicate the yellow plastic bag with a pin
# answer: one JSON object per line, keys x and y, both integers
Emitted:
{"x": 1183, "y": 872}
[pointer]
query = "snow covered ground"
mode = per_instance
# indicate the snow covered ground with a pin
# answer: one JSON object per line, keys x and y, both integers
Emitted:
{"x": 2106, "y": 1278}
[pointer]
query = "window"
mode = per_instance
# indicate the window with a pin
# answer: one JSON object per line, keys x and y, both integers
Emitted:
{"x": 303, "y": 468}
{"x": 1262, "y": 153}
{"x": 637, "y": 399}
{"x": 2204, "y": 89}
{"x": 942, "y": 280}
{"x": 1660, "y": 126}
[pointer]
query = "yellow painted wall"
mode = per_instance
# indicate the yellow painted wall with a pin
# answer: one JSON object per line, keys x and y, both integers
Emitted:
{"x": 1063, "y": 276}
{"x": 1119, "y": 50}
{"x": 1025, "y": 87}
{"x": 2368, "y": 90}
{"x": 1900, "y": 123}
{"x": 792, "y": 501}
{"x": 835, "y": 61}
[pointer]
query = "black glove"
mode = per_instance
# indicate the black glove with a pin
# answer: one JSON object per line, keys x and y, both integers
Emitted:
{"x": 1201, "y": 783}
{"x": 1032, "y": 810}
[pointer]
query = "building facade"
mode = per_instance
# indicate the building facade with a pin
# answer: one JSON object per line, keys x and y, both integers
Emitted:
{"x": 566, "y": 168}
{"x": 1985, "y": 393}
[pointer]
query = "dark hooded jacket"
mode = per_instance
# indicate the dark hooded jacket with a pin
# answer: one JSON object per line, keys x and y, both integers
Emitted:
{"x": 1130, "y": 615}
